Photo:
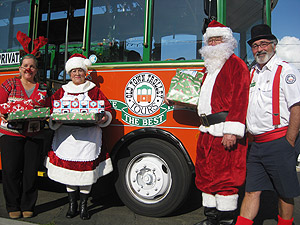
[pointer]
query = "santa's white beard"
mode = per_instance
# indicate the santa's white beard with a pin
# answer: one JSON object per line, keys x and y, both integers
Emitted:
{"x": 216, "y": 56}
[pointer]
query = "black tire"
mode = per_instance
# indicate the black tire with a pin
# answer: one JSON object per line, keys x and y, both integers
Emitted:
{"x": 152, "y": 177}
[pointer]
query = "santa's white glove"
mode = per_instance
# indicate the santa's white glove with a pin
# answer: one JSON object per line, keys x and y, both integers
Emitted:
{"x": 54, "y": 125}
{"x": 108, "y": 121}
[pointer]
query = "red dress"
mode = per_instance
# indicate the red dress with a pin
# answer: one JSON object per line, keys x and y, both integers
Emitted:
{"x": 77, "y": 157}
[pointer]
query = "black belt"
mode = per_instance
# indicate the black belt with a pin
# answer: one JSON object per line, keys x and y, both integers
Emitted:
{"x": 207, "y": 120}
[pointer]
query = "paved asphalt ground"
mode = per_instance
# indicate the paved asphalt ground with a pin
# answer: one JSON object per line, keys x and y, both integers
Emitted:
{"x": 106, "y": 208}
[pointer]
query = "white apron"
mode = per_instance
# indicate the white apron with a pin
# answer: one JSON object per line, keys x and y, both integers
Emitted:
{"x": 75, "y": 143}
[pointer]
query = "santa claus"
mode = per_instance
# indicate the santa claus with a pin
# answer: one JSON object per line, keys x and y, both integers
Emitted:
{"x": 222, "y": 107}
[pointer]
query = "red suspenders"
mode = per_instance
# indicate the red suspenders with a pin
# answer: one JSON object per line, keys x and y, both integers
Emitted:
{"x": 275, "y": 96}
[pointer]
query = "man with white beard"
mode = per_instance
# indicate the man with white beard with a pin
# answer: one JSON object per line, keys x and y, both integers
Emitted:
{"x": 222, "y": 146}
{"x": 273, "y": 118}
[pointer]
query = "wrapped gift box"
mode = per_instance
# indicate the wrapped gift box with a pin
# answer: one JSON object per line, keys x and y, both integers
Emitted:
{"x": 85, "y": 106}
{"x": 83, "y": 112}
{"x": 31, "y": 114}
{"x": 82, "y": 118}
{"x": 16, "y": 106}
{"x": 185, "y": 87}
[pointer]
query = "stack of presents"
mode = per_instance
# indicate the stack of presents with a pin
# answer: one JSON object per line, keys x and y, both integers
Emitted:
{"x": 64, "y": 111}
{"x": 67, "y": 111}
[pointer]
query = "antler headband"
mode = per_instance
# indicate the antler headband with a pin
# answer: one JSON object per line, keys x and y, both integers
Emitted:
{"x": 25, "y": 40}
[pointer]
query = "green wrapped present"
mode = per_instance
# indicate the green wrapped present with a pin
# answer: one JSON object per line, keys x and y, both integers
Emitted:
{"x": 73, "y": 118}
{"x": 31, "y": 114}
{"x": 185, "y": 87}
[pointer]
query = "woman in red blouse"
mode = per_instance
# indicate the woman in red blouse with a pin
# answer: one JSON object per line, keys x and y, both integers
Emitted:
{"x": 20, "y": 153}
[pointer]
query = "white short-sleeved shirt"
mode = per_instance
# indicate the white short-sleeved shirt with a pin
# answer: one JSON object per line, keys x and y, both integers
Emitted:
{"x": 259, "y": 114}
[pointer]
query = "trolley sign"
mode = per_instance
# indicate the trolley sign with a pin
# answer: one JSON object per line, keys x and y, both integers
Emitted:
{"x": 9, "y": 58}
{"x": 144, "y": 94}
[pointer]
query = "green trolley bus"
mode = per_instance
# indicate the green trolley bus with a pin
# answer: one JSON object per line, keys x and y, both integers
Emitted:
{"x": 135, "y": 47}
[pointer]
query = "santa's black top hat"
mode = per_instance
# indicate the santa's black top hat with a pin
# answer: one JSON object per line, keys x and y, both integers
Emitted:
{"x": 261, "y": 31}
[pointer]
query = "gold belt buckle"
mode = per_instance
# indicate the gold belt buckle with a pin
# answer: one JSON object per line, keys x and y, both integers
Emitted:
{"x": 204, "y": 120}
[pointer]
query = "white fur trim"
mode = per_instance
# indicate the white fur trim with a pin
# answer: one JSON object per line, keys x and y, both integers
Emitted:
{"x": 204, "y": 104}
{"x": 235, "y": 128}
{"x": 72, "y": 88}
{"x": 225, "y": 32}
{"x": 108, "y": 120}
{"x": 218, "y": 130}
{"x": 227, "y": 202}
{"x": 215, "y": 130}
{"x": 78, "y": 62}
{"x": 88, "y": 63}
{"x": 78, "y": 178}
{"x": 208, "y": 200}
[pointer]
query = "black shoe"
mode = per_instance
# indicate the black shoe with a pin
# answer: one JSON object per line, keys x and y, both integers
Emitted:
{"x": 212, "y": 217}
{"x": 227, "y": 222}
{"x": 72, "y": 211}
{"x": 84, "y": 213}
{"x": 207, "y": 222}
{"x": 226, "y": 217}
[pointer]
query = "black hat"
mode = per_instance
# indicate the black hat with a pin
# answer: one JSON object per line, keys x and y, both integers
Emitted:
{"x": 261, "y": 31}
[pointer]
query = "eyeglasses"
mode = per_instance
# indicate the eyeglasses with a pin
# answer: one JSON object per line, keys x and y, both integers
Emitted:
{"x": 216, "y": 39}
{"x": 263, "y": 44}
{"x": 28, "y": 68}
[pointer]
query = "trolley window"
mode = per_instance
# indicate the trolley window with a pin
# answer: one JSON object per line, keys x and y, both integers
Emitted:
{"x": 177, "y": 30}
{"x": 62, "y": 23}
{"x": 249, "y": 13}
{"x": 117, "y": 30}
{"x": 14, "y": 17}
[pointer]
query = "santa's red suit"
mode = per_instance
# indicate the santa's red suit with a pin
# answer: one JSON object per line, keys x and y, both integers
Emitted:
{"x": 219, "y": 172}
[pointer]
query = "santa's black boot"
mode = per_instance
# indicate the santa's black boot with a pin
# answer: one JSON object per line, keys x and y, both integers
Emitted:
{"x": 84, "y": 213}
{"x": 226, "y": 217}
{"x": 212, "y": 217}
{"x": 72, "y": 211}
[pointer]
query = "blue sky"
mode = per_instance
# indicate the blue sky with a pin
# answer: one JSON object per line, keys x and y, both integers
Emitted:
{"x": 286, "y": 19}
